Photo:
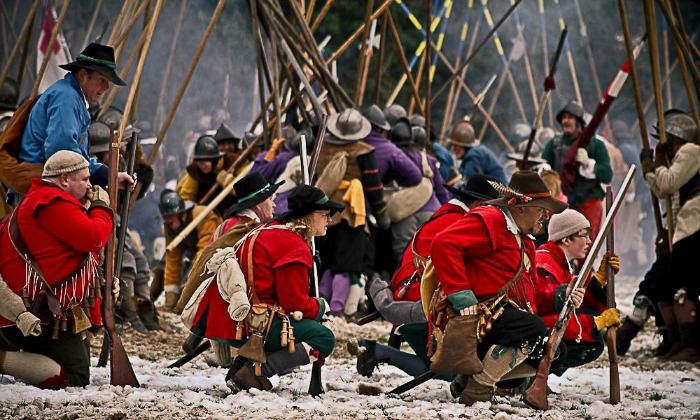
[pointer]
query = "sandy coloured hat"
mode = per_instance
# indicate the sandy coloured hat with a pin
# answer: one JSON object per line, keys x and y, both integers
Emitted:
{"x": 63, "y": 162}
{"x": 348, "y": 126}
{"x": 567, "y": 223}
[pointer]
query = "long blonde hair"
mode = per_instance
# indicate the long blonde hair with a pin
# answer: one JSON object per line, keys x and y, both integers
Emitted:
{"x": 303, "y": 226}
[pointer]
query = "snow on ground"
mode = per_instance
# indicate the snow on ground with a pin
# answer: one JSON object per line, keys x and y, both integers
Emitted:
{"x": 650, "y": 388}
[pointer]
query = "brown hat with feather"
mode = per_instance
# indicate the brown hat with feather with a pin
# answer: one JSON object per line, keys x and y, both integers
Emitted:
{"x": 526, "y": 189}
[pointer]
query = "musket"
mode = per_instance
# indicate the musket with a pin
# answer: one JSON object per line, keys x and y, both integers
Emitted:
{"x": 315, "y": 384}
{"x": 413, "y": 383}
{"x": 570, "y": 168}
{"x": 549, "y": 86}
{"x": 124, "y": 206}
{"x": 317, "y": 147}
{"x": 536, "y": 394}
{"x": 122, "y": 373}
{"x": 638, "y": 106}
{"x": 611, "y": 333}
{"x": 186, "y": 358}
{"x": 480, "y": 98}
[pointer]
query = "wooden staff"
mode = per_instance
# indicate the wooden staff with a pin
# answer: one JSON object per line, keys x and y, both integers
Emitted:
{"x": 650, "y": 19}
{"x": 261, "y": 67}
{"x": 404, "y": 61}
{"x": 684, "y": 73}
{"x": 497, "y": 93}
{"x": 120, "y": 43}
{"x": 181, "y": 92}
{"x": 93, "y": 19}
{"x": 310, "y": 11}
{"x": 526, "y": 57}
{"x": 428, "y": 59}
{"x": 457, "y": 94}
{"x": 139, "y": 67}
{"x": 117, "y": 25}
{"x": 121, "y": 371}
{"x": 684, "y": 34}
{"x": 611, "y": 333}
{"x": 363, "y": 52}
{"x": 473, "y": 98}
{"x": 107, "y": 102}
{"x": 638, "y": 104}
{"x": 25, "y": 54}
{"x": 169, "y": 65}
{"x": 545, "y": 55}
{"x": 477, "y": 49}
{"x": 681, "y": 42}
{"x": 380, "y": 60}
{"x": 49, "y": 49}
{"x": 357, "y": 33}
{"x": 208, "y": 209}
{"x": 321, "y": 15}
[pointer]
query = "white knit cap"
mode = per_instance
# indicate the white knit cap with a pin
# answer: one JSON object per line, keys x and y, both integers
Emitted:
{"x": 566, "y": 224}
{"x": 64, "y": 162}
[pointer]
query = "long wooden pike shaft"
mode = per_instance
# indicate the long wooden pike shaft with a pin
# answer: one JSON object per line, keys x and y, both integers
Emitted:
{"x": 638, "y": 103}
{"x": 404, "y": 61}
{"x": 611, "y": 333}
{"x": 169, "y": 65}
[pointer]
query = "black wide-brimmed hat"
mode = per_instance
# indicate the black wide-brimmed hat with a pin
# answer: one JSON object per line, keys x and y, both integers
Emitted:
{"x": 250, "y": 190}
{"x": 99, "y": 58}
{"x": 304, "y": 199}
{"x": 477, "y": 188}
{"x": 526, "y": 189}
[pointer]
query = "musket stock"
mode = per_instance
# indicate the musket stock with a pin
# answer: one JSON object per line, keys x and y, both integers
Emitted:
{"x": 536, "y": 394}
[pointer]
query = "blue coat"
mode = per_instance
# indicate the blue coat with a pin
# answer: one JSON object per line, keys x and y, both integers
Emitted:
{"x": 58, "y": 121}
{"x": 481, "y": 160}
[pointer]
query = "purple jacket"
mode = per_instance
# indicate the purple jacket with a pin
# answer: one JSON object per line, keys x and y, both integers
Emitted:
{"x": 273, "y": 169}
{"x": 439, "y": 195}
{"x": 392, "y": 163}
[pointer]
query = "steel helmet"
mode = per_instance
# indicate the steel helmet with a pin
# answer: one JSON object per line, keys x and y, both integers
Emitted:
{"x": 376, "y": 117}
{"x": 112, "y": 116}
{"x": 679, "y": 125}
{"x": 463, "y": 135}
{"x": 419, "y": 136}
{"x": 98, "y": 137}
{"x": 9, "y": 94}
{"x": 393, "y": 112}
{"x": 401, "y": 133}
{"x": 206, "y": 148}
{"x": 172, "y": 203}
{"x": 574, "y": 108}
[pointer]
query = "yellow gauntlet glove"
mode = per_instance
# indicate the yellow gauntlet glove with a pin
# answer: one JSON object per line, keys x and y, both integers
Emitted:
{"x": 276, "y": 144}
{"x": 608, "y": 318}
{"x": 223, "y": 178}
{"x": 608, "y": 260}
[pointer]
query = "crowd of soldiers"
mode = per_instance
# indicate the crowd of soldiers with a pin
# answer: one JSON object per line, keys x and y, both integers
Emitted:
{"x": 438, "y": 236}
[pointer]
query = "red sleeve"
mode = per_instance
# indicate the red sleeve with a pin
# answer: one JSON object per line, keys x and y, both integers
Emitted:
{"x": 292, "y": 289}
{"x": 544, "y": 292}
{"x": 586, "y": 327}
{"x": 87, "y": 232}
{"x": 451, "y": 246}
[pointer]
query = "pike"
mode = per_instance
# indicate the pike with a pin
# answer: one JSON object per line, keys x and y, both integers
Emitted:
{"x": 536, "y": 394}
{"x": 315, "y": 384}
{"x": 638, "y": 106}
{"x": 549, "y": 86}
{"x": 480, "y": 98}
{"x": 570, "y": 167}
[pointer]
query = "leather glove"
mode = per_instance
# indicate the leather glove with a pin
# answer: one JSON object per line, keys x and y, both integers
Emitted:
{"x": 276, "y": 144}
{"x": 582, "y": 156}
{"x": 98, "y": 197}
{"x": 383, "y": 220}
{"x": 28, "y": 324}
{"x": 116, "y": 288}
{"x": 608, "y": 260}
{"x": 224, "y": 178}
{"x": 608, "y": 318}
{"x": 661, "y": 155}
{"x": 646, "y": 159}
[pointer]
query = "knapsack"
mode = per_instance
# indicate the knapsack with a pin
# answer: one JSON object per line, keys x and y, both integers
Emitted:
{"x": 15, "y": 174}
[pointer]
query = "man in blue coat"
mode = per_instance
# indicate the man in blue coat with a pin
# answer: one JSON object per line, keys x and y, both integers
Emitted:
{"x": 60, "y": 118}
{"x": 474, "y": 157}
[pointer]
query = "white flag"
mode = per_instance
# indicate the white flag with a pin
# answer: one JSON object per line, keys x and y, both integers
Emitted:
{"x": 60, "y": 54}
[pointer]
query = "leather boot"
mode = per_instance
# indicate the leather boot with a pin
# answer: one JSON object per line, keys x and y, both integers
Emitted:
{"x": 686, "y": 314}
{"x": 191, "y": 343}
{"x": 475, "y": 392}
{"x": 674, "y": 335}
{"x": 157, "y": 282}
{"x": 129, "y": 310}
{"x": 625, "y": 334}
{"x": 458, "y": 384}
{"x": 148, "y": 314}
{"x": 171, "y": 299}
{"x": 457, "y": 353}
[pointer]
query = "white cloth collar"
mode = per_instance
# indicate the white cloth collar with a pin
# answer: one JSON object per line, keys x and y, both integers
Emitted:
{"x": 458, "y": 203}
{"x": 510, "y": 223}
{"x": 249, "y": 213}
